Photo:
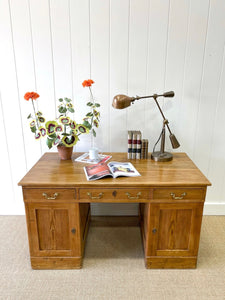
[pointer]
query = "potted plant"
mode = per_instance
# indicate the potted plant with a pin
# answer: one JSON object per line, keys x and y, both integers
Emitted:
{"x": 63, "y": 132}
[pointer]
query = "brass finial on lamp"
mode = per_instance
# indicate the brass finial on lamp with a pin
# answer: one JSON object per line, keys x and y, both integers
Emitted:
{"x": 123, "y": 101}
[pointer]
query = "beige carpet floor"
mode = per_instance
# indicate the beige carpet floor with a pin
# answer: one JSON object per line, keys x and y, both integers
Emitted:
{"x": 113, "y": 267}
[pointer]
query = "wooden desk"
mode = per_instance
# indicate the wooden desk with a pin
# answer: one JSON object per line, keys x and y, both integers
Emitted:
{"x": 57, "y": 200}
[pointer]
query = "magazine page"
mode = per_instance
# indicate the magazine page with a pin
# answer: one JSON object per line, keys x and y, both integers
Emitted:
{"x": 86, "y": 159}
{"x": 123, "y": 169}
{"x": 97, "y": 171}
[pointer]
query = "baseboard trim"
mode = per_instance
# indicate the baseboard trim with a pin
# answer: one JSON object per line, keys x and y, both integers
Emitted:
{"x": 214, "y": 209}
{"x": 114, "y": 221}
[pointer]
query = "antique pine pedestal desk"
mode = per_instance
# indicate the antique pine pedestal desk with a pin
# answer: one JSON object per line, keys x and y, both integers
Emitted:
{"x": 57, "y": 199}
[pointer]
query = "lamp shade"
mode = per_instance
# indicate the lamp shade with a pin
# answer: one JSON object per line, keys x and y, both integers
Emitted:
{"x": 169, "y": 94}
{"x": 122, "y": 101}
{"x": 174, "y": 141}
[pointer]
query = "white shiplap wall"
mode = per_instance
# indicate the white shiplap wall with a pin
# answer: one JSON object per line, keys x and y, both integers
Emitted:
{"x": 136, "y": 47}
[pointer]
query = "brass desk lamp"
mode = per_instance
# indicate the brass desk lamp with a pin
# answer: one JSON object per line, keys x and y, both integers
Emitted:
{"x": 123, "y": 101}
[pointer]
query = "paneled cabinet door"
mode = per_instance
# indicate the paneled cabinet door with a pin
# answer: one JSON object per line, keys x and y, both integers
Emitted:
{"x": 53, "y": 229}
{"x": 174, "y": 229}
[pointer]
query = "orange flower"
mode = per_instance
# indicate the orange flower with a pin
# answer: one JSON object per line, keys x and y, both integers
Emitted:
{"x": 88, "y": 82}
{"x": 31, "y": 95}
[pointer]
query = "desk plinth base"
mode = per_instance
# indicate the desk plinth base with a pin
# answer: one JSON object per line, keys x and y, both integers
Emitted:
{"x": 170, "y": 262}
{"x": 56, "y": 263}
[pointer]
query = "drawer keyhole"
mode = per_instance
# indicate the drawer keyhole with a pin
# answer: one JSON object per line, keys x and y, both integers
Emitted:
{"x": 114, "y": 193}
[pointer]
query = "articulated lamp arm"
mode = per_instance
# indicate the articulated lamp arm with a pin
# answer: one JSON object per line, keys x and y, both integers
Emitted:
{"x": 123, "y": 101}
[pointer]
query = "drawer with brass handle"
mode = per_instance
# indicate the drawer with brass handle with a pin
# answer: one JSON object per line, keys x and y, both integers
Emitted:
{"x": 114, "y": 195}
{"x": 179, "y": 194}
{"x": 48, "y": 195}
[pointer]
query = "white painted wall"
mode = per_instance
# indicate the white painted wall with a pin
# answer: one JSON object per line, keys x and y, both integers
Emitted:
{"x": 137, "y": 47}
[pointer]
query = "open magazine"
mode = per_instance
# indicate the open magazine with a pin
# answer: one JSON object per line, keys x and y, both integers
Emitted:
{"x": 113, "y": 169}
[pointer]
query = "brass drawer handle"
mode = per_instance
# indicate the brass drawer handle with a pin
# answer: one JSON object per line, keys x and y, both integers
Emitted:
{"x": 133, "y": 197}
{"x": 95, "y": 197}
{"x": 55, "y": 195}
{"x": 178, "y": 198}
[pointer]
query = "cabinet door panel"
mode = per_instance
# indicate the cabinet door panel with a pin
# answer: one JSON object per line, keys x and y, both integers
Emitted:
{"x": 54, "y": 229}
{"x": 174, "y": 229}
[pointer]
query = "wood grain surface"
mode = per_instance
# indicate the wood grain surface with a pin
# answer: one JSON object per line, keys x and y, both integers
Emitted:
{"x": 50, "y": 171}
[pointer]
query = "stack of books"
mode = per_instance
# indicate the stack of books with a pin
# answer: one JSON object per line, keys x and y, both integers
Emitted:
{"x": 137, "y": 147}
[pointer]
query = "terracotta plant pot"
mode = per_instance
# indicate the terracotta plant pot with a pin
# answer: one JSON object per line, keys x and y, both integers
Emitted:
{"x": 65, "y": 153}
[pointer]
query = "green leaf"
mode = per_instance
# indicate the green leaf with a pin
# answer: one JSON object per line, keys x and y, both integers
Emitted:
{"x": 60, "y": 100}
{"x": 71, "y": 110}
{"x": 97, "y": 105}
{"x": 89, "y": 104}
{"x": 61, "y": 109}
{"x": 87, "y": 124}
{"x": 53, "y": 136}
{"x": 29, "y": 116}
{"x": 33, "y": 129}
{"x": 89, "y": 114}
{"x": 94, "y": 133}
{"x": 66, "y": 134}
{"x": 49, "y": 143}
{"x": 67, "y": 99}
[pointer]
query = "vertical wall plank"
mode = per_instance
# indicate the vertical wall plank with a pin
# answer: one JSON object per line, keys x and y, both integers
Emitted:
{"x": 10, "y": 110}
{"x": 210, "y": 84}
{"x": 138, "y": 45}
{"x": 216, "y": 171}
{"x": 61, "y": 48}
{"x": 186, "y": 122}
{"x": 6, "y": 169}
{"x": 43, "y": 60}
{"x": 80, "y": 43}
{"x": 176, "y": 52}
{"x": 155, "y": 78}
{"x": 99, "y": 30}
{"x": 119, "y": 42}
{"x": 24, "y": 62}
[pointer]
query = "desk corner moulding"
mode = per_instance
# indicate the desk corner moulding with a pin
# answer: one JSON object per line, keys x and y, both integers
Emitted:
{"x": 57, "y": 201}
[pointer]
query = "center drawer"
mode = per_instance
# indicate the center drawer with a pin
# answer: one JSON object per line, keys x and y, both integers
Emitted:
{"x": 131, "y": 195}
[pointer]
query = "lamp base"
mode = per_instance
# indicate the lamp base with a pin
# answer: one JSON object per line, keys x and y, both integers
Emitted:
{"x": 161, "y": 156}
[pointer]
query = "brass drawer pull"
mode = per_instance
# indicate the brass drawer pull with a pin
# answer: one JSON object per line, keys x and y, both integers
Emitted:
{"x": 55, "y": 195}
{"x": 133, "y": 197}
{"x": 95, "y": 197}
{"x": 178, "y": 198}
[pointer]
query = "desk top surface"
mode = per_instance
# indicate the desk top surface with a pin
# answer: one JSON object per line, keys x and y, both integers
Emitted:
{"x": 50, "y": 171}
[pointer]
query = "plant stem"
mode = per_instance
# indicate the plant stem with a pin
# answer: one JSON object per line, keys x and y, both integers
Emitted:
{"x": 65, "y": 116}
{"x": 92, "y": 99}
{"x": 35, "y": 113}
{"x": 91, "y": 95}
